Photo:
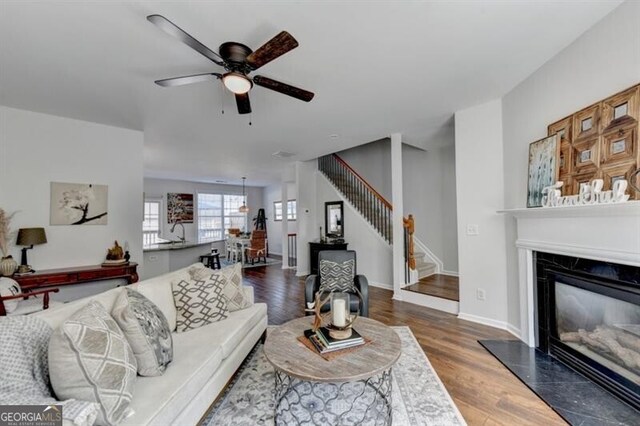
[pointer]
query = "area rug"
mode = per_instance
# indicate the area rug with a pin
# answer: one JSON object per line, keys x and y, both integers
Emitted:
{"x": 419, "y": 397}
{"x": 270, "y": 261}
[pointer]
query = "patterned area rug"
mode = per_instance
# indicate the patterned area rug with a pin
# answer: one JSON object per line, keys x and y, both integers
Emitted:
{"x": 224, "y": 262}
{"x": 419, "y": 397}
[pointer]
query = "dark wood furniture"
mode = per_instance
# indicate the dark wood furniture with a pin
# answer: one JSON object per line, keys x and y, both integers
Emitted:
{"x": 26, "y": 295}
{"x": 76, "y": 275}
{"x": 211, "y": 260}
{"x": 315, "y": 248}
{"x": 257, "y": 247}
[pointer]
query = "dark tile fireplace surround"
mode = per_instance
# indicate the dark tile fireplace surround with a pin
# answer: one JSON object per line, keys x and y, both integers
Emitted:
{"x": 586, "y": 365}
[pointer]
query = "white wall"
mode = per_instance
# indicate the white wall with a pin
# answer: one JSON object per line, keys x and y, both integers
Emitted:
{"x": 273, "y": 193}
{"x": 374, "y": 255}
{"x": 158, "y": 188}
{"x": 429, "y": 186}
{"x": 601, "y": 62}
{"x": 37, "y": 149}
{"x": 479, "y": 183}
{"x": 308, "y": 230}
{"x": 373, "y": 162}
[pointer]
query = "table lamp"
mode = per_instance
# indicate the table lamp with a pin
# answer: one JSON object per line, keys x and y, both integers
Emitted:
{"x": 29, "y": 237}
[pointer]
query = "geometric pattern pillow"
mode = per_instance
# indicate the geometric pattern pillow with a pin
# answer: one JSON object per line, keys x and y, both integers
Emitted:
{"x": 147, "y": 331}
{"x": 199, "y": 302}
{"x": 233, "y": 291}
{"x": 337, "y": 276}
{"x": 91, "y": 360}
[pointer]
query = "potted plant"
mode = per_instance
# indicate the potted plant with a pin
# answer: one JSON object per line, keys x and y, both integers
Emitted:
{"x": 8, "y": 265}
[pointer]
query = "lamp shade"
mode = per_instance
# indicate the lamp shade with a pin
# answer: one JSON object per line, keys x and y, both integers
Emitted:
{"x": 31, "y": 236}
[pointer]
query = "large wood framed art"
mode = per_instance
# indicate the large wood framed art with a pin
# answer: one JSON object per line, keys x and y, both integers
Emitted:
{"x": 600, "y": 142}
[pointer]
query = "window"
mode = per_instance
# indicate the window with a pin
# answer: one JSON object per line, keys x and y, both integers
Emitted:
{"x": 151, "y": 222}
{"x": 291, "y": 210}
{"x": 217, "y": 213}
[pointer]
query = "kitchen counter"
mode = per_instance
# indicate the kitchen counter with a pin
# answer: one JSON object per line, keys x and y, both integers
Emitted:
{"x": 174, "y": 246}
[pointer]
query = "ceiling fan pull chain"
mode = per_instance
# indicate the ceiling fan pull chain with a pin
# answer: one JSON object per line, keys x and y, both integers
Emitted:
{"x": 221, "y": 98}
{"x": 250, "y": 117}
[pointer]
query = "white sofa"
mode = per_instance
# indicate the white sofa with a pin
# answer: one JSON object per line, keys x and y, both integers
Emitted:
{"x": 204, "y": 359}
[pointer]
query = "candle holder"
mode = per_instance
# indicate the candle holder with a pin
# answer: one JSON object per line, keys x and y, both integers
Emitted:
{"x": 341, "y": 317}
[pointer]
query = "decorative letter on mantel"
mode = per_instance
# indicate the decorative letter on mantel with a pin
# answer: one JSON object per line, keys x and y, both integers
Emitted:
{"x": 590, "y": 193}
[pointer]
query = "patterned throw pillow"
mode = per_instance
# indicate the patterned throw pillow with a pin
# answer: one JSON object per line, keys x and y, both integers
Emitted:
{"x": 147, "y": 331}
{"x": 233, "y": 291}
{"x": 91, "y": 360}
{"x": 199, "y": 302}
{"x": 337, "y": 276}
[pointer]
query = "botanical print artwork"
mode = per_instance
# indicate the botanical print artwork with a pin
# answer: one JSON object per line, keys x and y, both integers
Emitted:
{"x": 543, "y": 168}
{"x": 78, "y": 204}
{"x": 179, "y": 207}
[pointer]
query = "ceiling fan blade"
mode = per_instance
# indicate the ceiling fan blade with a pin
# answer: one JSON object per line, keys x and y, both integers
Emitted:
{"x": 172, "y": 29}
{"x": 295, "y": 92}
{"x": 188, "y": 79}
{"x": 277, "y": 46}
{"x": 244, "y": 106}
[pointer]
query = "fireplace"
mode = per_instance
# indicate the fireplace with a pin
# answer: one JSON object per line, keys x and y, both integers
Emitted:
{"x": 588, "y": 317}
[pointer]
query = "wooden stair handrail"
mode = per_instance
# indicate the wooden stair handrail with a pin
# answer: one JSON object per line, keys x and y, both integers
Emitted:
{"x": 409, "y": 224}
{"x": 364, "y": 182}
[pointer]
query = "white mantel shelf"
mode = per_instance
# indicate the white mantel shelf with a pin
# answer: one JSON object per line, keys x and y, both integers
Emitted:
{"x": 630, "y": 208}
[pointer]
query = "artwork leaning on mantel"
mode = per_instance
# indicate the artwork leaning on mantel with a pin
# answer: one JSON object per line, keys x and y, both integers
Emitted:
{"x": 79, "y": 204}
{"x": 600, "y": 142}
{"x": 543, "y": 168}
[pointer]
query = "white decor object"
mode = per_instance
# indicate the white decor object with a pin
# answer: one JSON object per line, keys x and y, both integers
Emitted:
{"x": 591, "y": 193}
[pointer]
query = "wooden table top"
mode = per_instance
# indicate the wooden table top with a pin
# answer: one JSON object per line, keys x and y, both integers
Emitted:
{"x": 287, "y": 354}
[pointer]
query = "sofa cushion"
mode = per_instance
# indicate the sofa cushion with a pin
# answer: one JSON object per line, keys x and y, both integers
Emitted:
{"x": 91, "y": 360}
{"x": 158, "y": 400}
{"x": 146, "y": 330}
{"x": 229, "y": 332}
{"x": 233, "y": 290}
{"x": 199, "y": 302}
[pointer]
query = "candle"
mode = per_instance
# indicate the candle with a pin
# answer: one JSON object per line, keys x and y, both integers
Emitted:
{"x": 339, "y": 313}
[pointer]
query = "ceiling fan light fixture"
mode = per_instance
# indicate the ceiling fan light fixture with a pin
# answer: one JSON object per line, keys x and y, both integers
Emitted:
{"x": 237, "y": 83}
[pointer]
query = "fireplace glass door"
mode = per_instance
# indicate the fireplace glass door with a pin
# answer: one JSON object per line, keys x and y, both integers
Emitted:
{"x": 605, "y": 329}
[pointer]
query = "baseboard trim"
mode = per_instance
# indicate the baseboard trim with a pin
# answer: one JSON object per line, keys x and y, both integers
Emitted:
{"x": 450, "y": 273}
{"x": 381, "y": 285}
{"x": 302, "y": 273}
{"x": 502, "y": 325}
{"x": 438, "y": 303}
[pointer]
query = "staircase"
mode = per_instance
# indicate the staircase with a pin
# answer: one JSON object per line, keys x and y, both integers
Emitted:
{"x": 375, "y": 209}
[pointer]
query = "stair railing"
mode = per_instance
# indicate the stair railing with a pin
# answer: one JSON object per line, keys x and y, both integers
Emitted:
{"x": 373, "y": 206}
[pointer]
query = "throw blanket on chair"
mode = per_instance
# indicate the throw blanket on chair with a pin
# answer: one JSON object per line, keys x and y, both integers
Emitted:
{"x": 24, "y": 369}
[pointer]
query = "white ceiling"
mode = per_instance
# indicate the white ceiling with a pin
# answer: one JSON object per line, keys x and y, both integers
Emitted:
{"x": 376, "y": 68}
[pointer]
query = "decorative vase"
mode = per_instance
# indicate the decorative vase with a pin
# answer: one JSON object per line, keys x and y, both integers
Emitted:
{"x": 8, "y": 266}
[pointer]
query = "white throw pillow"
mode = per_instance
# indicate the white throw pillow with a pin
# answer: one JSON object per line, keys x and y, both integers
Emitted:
{"x": 90, "y": 359}
{"x": 9, "y": 287}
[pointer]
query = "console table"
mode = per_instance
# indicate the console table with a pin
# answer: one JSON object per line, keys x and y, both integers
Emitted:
{"x": 76, "y": 275}
{"x": 315, "y": 248}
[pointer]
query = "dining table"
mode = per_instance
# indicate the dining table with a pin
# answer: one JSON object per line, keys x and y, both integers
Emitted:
{"x": 239, "y": 243}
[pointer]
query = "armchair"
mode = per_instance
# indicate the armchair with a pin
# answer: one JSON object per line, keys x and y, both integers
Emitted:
{"x": 312, "y": 283}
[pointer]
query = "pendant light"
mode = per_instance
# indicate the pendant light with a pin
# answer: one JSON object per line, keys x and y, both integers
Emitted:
{"x": 243, "y": 208}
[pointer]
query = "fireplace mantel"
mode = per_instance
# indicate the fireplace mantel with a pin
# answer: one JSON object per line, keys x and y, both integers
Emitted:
{"x": 606, "y": 232}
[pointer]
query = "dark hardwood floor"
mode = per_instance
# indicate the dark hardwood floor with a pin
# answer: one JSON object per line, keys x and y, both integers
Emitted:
{"x": 438, "y": 285}
{"x": 485, "y": 392}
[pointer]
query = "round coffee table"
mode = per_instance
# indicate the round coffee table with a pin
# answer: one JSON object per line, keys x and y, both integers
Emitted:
{"x": 353, "y": 388}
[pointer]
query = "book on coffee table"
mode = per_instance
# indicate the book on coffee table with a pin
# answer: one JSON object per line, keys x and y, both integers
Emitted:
{"x": 323, "y": 346}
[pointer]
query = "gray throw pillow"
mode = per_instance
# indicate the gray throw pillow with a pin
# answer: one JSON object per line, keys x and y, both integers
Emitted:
{"x": 91, "y": 360}
{"x": 199, "y": 302}
{"x": 147, "y": 331}
{"x": 337, "y": 276}
{"x": 233, "y": 292}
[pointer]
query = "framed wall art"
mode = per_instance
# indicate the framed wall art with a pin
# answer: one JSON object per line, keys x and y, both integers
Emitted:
{"x": 544, "y": 168}
{"x": 179, "y": 207}
{"x": 78, "y": 204}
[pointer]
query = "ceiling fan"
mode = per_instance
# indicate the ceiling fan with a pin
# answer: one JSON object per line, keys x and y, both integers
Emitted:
{"x": 238, "y": 61}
